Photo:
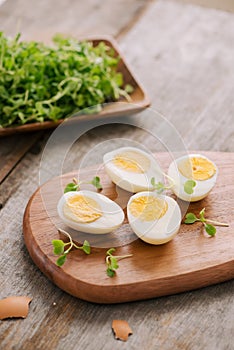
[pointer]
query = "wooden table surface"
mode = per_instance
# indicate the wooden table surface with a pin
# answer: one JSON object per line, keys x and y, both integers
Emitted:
{"x": 184, "y": 55}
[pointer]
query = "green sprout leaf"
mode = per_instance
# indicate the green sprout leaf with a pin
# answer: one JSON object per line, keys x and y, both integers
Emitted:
{"x": 75, "y": 185}
{"x": 71, "y": 187}
{"x": 58, "y": 245}
{"x": 86, "y": 247}
{"x": 112, "y": 262}
{"x": 159, "y": 186}
{"x": 129, "y": 88}
{"x": 190, "y": 218}
{"x": 110, "y": 272}
{"x": 61, "y": 260}
{"x": 189, "y": 185}
{"x": 96, "y": 182}
{"x": 210, "y": 229}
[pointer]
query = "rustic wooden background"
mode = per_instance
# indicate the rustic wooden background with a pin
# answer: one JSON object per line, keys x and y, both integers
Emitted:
{"x": 184, "y": 55}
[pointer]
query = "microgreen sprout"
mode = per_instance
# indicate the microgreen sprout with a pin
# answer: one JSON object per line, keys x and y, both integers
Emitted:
{"x": 62, "y": 249}
{"x": 112, "y": 261}
{"x": 189, "y": 185}
{"x": 190, "y": 218}
{"x": 159, "y": 187}
{"x": 40, "y": 82}
{"x": 75, "y": 184}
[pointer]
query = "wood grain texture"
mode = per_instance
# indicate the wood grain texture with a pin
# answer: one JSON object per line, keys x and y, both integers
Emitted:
{"x": 197, "y": 320}
{"x": 190, "y": 79}
{"x": 189, "y": 261}
{"x": 12, "y": 150}
{"x": 40, "y": 21}
{"x": 226, "y": 5}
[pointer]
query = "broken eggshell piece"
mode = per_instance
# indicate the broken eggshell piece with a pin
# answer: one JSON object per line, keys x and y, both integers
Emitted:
{"x": 14, "y": 306}
{"x": 121, "y": 329}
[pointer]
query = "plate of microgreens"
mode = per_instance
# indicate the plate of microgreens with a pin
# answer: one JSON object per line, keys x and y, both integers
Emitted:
{"x": 42, "y": 85}
{"x": 137, "y": 227}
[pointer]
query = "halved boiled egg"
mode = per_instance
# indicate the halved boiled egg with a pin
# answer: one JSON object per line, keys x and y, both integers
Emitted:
{"x": 154, "y": 218}
{"x": 193, "y": 167}
{"x": 132, "y": 169}
{"x": 89, "y": 212}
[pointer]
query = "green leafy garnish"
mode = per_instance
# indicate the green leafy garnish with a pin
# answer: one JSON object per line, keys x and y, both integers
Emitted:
{"x": 112, "y": 261}
{"x": 210, "y": 229}
{"x": 159, "y": 187}
{"x": 189, "y": 185}
{"x": 96, "y": 183}
{"x": 39, "y": 83}
{"x": 71, "y": 187}
{"x": 75, "y": 185}
{"x": 129, "y": 88}
{"x": 190, "y": 218}
{"x": 59, "y": 247}
{"x": 61, "y": 260}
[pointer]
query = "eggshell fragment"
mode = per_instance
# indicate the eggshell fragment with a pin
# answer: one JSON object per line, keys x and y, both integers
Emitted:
{"x": 121, "y": 329}
{"x": 14, "y": 306}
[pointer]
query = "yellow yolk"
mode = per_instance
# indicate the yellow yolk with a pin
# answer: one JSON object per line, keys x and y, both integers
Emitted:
{"x": 148, "y": 208}
{"x": 132, "y": 161}
{"x": 82, "y": 209}
{"x": 197, "y": 168}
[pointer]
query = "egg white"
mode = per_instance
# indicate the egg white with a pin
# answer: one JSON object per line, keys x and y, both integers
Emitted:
{"x": 130, "y": 181}
{"x": 112, "y": 215}
{"x": 202, "y": 188}
{"x": 159, "y": 231}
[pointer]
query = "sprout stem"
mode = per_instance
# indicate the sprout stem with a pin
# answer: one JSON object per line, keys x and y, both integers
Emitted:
{"x": 170, "y": 180}
{"x": 217, "y": 223}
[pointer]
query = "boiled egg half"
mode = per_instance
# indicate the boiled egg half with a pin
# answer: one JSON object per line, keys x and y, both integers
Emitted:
{"x": 132, "y": 169}
{"x": 89, "y": 212}
{"x": 193, "y": 167}
{"x": 154, "y": 218}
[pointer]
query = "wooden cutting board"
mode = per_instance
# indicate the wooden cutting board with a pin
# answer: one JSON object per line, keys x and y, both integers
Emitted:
{"x": 191, "y": 260}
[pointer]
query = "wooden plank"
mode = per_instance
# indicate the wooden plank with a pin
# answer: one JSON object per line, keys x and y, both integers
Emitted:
{"x": 42, "y": 20}
{"x": 225, "y": 5}
{"x": 190, "y": 80}
{"x": 182, "y": 88}
{"x": 12, "y": 150}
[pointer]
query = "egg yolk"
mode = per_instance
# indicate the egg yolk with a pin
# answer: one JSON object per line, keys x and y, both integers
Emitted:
{"x": 197, "y": 168}
{"x": 148, "y": 208}
{"x": 82, "y": 209}
{"x": 132, "y": 161}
